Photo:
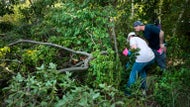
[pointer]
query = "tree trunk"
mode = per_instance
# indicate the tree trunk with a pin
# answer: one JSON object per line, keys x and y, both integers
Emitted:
{"x": 132, "y": 9}
{"x": 179, "y": 18}
{"x": 160, "y": 11}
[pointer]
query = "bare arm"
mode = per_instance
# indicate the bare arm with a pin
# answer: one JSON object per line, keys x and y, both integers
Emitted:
{"x": 133, "y": 47}
{"x": 161, "y": 36}
{"x": 162, "y": 41}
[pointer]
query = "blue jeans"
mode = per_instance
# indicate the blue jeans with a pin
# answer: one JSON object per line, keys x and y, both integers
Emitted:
{"x": 160, "y": 59}
{"x": 139, "y": 68}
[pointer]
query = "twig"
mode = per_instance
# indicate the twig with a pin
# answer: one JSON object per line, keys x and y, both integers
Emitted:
{"x": 2, "y": 34}
{"x": 73, "y": 69}
{"x": 91, "y": 38}
{"x": 9, "y": 60}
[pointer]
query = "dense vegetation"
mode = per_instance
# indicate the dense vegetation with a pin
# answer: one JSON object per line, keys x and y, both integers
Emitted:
{"x": 67, "y": 53}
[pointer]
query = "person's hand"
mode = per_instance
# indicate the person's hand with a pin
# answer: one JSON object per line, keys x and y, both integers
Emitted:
{"x": 160, "y": 51}
{"x": 163, "y": 48}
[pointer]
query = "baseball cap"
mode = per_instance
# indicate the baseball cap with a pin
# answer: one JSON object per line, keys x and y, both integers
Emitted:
{"x": 137, "y": 23}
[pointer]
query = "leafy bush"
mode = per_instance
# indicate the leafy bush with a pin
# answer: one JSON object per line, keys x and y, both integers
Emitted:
{"x": 171, "y": 87}
{"x": 104, "y": 68}
{"x": 87, "y": 97}
{"x": 46, "y": 87}
{"x": 42, "y": 88}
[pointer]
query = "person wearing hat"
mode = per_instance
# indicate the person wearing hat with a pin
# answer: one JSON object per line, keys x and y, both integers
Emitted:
{"x": 142, "y": 61}
{"x": 155, "y": 38}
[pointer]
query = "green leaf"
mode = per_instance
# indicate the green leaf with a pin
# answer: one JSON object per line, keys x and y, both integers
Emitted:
{"x": 52, "y": 65}
{"x": 42, "y": 67}
{"x": 96, "y": 95}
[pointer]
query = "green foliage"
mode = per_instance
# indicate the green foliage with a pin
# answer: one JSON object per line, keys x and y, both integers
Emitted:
{"x": 34, "y": 10}
{"x": 30, "y": 57}
{"x": 177, "y": 13}
{"x": 46, "y": 54}
{"x": 6, "y": 26}
{"x": 46, "y": 86}
{"x": 179, "y": 52}
{"x": 85, "y": 25}
{"x": 147, "y": 10}
{"x": 7, "y": 6}
{"x": 102, "y": 69}
{"x": 3, "y": 51}
{"x": 80, "y": 96}
{"x": 85, "y": 96}
{"x": 38, "y": 89}
{"x": 33, "y": 57}
{"x": 172, "y": 87}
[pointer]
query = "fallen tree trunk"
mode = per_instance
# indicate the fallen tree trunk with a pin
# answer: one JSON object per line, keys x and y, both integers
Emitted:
{"x": 85, "y": 63}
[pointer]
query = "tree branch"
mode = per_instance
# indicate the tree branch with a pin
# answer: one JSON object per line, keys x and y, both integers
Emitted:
{"x": 2, "y": 34}
{"x": 49, "y": 44}
{"x": 83, "y": 67}
{"x": 9, "y": 60}
{"x": 73, "y": 69}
